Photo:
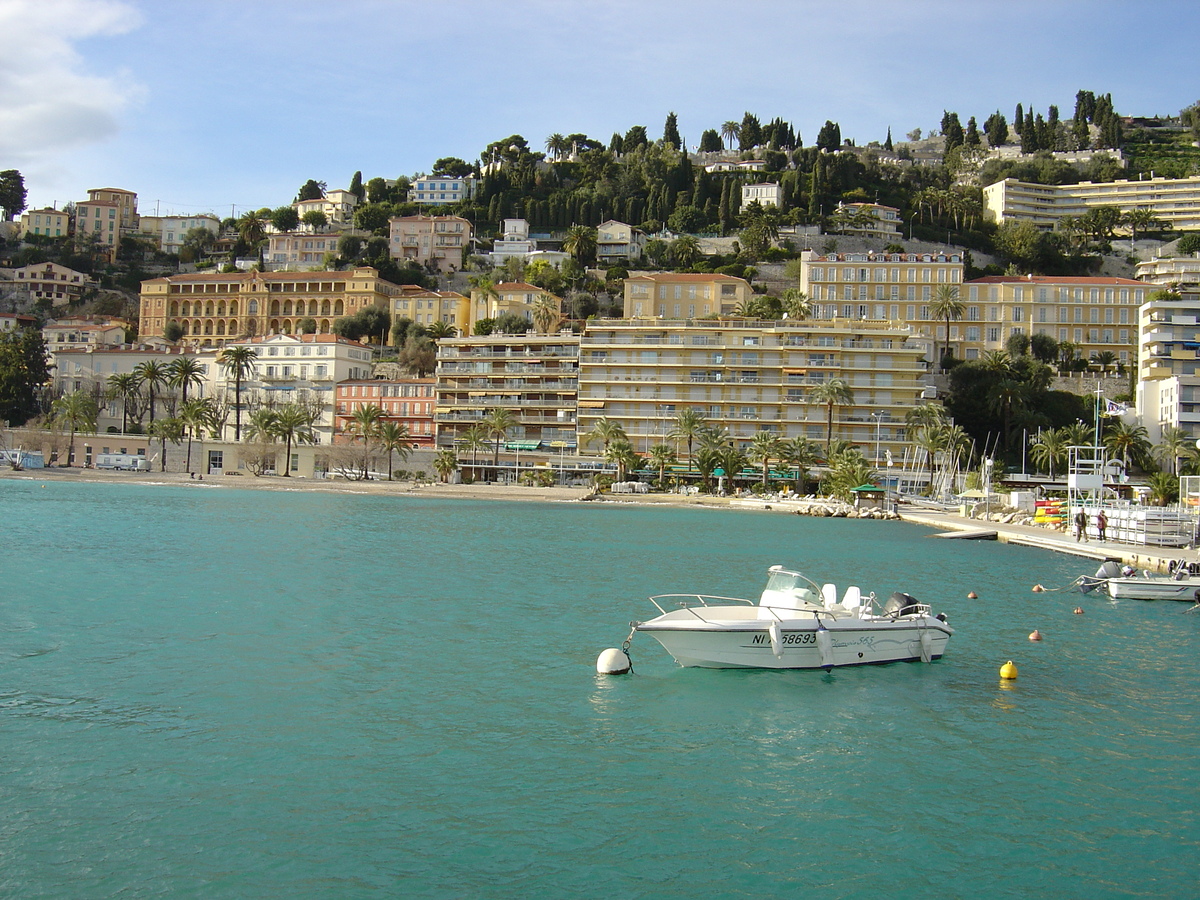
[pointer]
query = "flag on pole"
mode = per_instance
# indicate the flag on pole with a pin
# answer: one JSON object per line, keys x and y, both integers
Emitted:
{"x": 1112, "y": 408}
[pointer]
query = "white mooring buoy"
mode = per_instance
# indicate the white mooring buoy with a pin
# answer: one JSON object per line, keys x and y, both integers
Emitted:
{"x": 613, "y": 661}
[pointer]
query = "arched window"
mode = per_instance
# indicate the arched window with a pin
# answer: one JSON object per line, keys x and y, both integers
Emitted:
{"x": 175, "y": 308}
{"x": 220, "y": 326}
{"x": 252, "y": 308}
{"x": 274, "y": 307}
{"x": 233, "y": 307}
{"x": 324, "y": 307}
{"x": 208, "y": 327}
{"x": 337, "y": 308}
{"x": 208, "y": 308}
{"x": 287, "y": 307}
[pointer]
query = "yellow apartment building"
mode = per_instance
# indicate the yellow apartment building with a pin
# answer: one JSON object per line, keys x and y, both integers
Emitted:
{"x": 672, "y": 295}
{"x": 47, "y": 221}
{"x": 750, "y": 376}
{"x": 515, "y": 297}
{"x": 437, "y": 242}
{"x": 534, "y": 376}
{"x": 426, "y": 307}
{"x": 1174, "y": 200}
{"x": 216, "y": 308}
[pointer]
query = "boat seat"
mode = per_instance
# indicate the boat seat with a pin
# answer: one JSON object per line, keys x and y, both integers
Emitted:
{"x": 829, "y": 595}
{"x": 853, "y": 598}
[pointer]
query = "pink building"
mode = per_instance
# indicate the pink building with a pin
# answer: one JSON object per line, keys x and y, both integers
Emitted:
{"x": 407, "y": 401}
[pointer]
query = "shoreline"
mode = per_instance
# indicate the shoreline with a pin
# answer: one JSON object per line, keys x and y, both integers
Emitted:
{"x": 1142, "y": 557}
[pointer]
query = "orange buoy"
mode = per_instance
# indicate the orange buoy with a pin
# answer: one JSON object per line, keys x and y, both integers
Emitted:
{"x": 972, "y": 596}
{"x": 1035, "y": 635}
{"x": 1038, "y": 589}
{"x": 1079, "y": 610}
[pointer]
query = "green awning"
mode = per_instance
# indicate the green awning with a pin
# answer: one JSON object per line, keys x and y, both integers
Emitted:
{"x": 522, "y": 445}
{"x": 867, "y": 488}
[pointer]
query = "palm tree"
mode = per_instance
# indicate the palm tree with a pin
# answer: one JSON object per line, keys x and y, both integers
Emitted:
{"x": 765, "y": 446}
{"x": 183, "y": 373}
{"x": 1141, "y": 218}
{"x": 685, "y": 250}
{"x": 803, "y": 454}
{"x": 1173, "y": 444}
{"x": 556, "y": 145}
{"x": 931, "y": 440}
{"x": 393, "y": 437}
{"x": 261, "y": 426}
{"x": 293, "y": 423}
{"x": 168, "y": 429}
{"x": 485, "y": 286}
{"x": 796, "y": 304}
{"x": 1130, "y": 442}
{"x": 496, "y": 423}
{"x": 76, "y": 411}
{"x": 834, "y": 392}
{"x": 688, "y": 426}
{"x": 732, "y": 460}
{"x": 546, "y": 315}
{"x": 1104, "y": 359}
{"x": 605, "y": 430}
{"x": 947, "y": 305}
{"x": 1048, "y": 448}
{"x": 239, "y": 361}
{"x": 474, "y": 439}
{"x": 444, "y": 464}
{"x": 1164, "y": 488}
{"x": 729, "y": 133}
{"x": 193, "y": 415}
{"x": 1007, "y": 396}
{"x": 1078, "y": 434}
{"x": 250, "y": 229}
{"x": 438, "y": 330}
{"x": 153, "y": 375}
{"x": 364, "y": 423}
{"x": 580, "y": 242}
{"x": 661, "y": 456}
{"x": 621, "y": 452}
{"x": 125, "y": 387}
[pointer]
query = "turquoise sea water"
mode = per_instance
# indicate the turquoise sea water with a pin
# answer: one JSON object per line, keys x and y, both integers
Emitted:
{"x": 221, "y": 693}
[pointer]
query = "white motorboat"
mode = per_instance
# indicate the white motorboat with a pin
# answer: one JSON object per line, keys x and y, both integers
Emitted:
{"x": 796, "y": 624}
{"x": 1127, "y": 583}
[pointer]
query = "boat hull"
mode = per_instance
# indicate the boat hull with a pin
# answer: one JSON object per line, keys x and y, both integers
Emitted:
{"x": 750, "y": 645}
{"x": 1154, "y": 589}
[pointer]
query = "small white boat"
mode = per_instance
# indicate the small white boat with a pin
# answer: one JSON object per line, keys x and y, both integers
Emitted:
{"x": 796, "y": 624}
{"x": 1128, "y": 583}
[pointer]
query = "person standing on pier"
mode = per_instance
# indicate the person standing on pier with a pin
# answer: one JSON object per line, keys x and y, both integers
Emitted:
{"x": 1101, "y": 524}
{"x": 1081, "y": 520}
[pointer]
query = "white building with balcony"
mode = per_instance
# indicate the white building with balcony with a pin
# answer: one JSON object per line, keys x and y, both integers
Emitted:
{"x": 1168, "y": 389}
{"x": 439, "y": 190}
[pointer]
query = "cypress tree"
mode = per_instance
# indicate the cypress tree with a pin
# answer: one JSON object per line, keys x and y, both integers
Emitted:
{"x": 1019, "y": 119}
{"x": 887, "y": 144}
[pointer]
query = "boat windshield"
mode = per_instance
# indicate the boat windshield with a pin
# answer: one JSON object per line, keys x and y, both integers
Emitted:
{"x": 785, "y": 582}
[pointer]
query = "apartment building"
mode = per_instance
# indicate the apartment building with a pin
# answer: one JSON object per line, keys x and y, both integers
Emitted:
{"x": 109, "y": 214}
{"x": 337, "y": 206}
{"x": 764, "y": 194}
{"x": 677, "y": 296}
{"x": 46, "y": 221}
{"x": 82, "y": 333}
{"x": 515, "y": 297}
{"x": 1168, "y": 388}
{"x": 1096, "y": 315}
{"x": 88, "y": 369}
{"x": 439, "y": 190}
{"x": 409, "y": 402}
{"x": 617, "y": 242}
{"x": 216, "y": 308}
{"x": 437, "y": 242}
{"x": 49, "y": 281}
{"x": 426, "y": 307}
{"x": 300, "y": 250}
{"x": 299, "y": 368}
{"x": 1180, "y": 273}
{"x": 169, "y": 231}
{"x": 868, "y": 220}
{"x": 1176, "y": 201}
{"x": 535, "y": 377}
{"x": 750, "y": 377}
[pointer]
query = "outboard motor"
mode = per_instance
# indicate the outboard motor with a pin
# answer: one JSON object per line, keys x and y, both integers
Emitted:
{"x": 900, "y": 604}
{"x": 1109, "y": 569}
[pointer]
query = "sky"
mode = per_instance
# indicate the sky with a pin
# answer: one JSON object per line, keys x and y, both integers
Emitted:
{"x": 227, "y": 105}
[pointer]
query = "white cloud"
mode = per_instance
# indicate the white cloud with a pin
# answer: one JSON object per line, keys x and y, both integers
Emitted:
{"x": 49, "y": 100}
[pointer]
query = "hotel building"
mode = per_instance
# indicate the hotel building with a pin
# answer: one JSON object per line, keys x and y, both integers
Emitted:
{"x": 408, "y": 402}
{"x": 1168, "y": 389}
{"x": 1174, "y": 200}
{"x": 216, "y": 308}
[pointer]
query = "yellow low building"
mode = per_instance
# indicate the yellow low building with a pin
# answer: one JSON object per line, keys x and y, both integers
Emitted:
{"x": 673, "y": 295}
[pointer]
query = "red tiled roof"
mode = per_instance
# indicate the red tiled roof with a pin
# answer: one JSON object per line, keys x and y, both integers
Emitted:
{"x": 685, "y": 277}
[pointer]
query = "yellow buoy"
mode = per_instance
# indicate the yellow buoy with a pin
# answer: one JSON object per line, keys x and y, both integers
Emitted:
{"x": 1008, "y": 671}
